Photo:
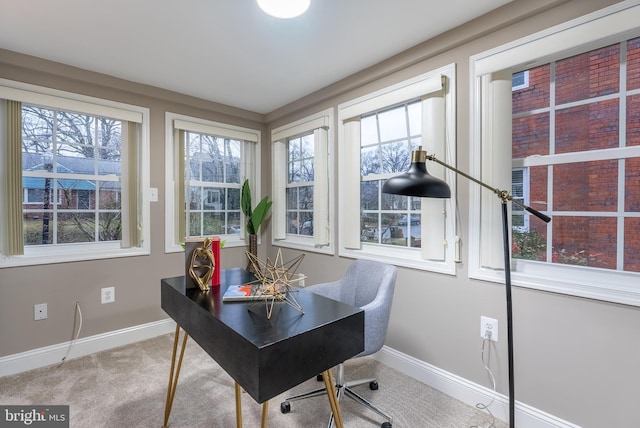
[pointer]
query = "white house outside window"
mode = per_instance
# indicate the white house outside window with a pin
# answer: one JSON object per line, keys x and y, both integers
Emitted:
{"x": 378, "y": 133}
{"x": 574, "y": 146}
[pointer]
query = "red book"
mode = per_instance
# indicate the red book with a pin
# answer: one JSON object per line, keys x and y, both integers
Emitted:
{"x": 215, "y": 249}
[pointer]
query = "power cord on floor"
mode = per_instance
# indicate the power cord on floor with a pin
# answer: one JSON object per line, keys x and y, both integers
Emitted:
{"x": 485, "y": 406}
{"x": 77, "y": 320}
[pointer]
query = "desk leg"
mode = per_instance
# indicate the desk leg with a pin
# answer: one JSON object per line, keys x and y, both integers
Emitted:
{"x": 330, "y": 384}
{"x": 238, "y": 406}
{"x": 173, "y": 381}
{"x": 265, "y": 411}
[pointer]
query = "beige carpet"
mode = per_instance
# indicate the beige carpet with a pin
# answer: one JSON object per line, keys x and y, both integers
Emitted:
{"x": 126, "y": 387}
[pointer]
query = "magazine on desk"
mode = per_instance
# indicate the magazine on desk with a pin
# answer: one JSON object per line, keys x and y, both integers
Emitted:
{"x": 244, "y": 292}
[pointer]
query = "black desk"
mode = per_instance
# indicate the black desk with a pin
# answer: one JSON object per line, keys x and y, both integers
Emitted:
{"x": 264, "y": 356}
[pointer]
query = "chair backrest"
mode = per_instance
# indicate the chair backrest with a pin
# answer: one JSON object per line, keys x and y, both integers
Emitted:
{"x": 368, "y": 285}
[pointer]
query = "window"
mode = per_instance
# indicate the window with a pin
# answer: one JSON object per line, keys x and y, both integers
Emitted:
{"x": 213, "y": 184}
{"x": 520, "y": 80}
{"x": 378, "y": 133}
{"x": 68, "y": 161}
{"x": 387, "y": 139}
{"x": 574, "y": 146}
{"x": 207, "y": 162}
{"x": 300, "y": 184}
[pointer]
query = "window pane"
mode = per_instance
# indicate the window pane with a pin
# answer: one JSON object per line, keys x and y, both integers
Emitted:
{"x": 369, "y": 130}
{"x": 587, "y": 127}
{"x": 396, "y": 157}
{"x": 213, "y": 223}
{"x": 529, "y": 245}
{"x": 109, "y": 139}
{"x": 536, "y": 95}
{"x": 369, "y": 195}
{"x": 588, "y": 75}
{"x": 195, "y": 198}
{"x": 585, "y": 241}
{"x": 633, "y": 120}
{"x": 393, "y": 124}
{"x": 632, "y": 245}
{"x": 370, "y": 161}
{"x": 633, "y": 64}
{"x": 586, "y": 186}
{"x": 530, "y": 135}
{"x": 37, "y": 129}
{"x": 305, "y": 200}
{"x": 110, "y": 226}
{"x": 632, "y": 185}
{"x": 110, "y": 195}
{"x": 292, "y": 198}
{"x": 75, "y": 227}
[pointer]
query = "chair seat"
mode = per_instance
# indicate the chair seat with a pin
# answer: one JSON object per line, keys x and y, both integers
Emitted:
{"x": 368, "y": 285}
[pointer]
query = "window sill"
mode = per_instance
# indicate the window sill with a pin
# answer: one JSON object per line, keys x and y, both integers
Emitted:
{"x": 65, "y": 257}
{"x": 303, "y": 244}
{"x": 590, "y": 283}
{"x": 405, "y": 257}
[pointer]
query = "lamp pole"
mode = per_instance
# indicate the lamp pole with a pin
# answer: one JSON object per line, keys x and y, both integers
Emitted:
{"x": 48, "y": 166}
{"x": 505, "y": 197}
{"x": 418, "y": 182}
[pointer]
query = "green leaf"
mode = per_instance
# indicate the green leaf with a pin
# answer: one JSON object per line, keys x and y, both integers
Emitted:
{"x": 246, "y": 198}
{"x": 260, "y": 212}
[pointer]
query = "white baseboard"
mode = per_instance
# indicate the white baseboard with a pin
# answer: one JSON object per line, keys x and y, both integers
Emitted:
{"x": 468, "y": 392}
{"x": 450, "y": 384}
{"x": 53, "y": 354}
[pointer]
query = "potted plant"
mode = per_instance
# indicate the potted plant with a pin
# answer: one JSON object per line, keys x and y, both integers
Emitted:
{"x": 254, "y": 216}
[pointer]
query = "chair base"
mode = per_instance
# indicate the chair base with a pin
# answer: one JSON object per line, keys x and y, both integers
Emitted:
{"x": 343, "y": 388}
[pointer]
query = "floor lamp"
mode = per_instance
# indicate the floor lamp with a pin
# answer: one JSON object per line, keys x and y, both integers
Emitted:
{"x": 418, "y": 182}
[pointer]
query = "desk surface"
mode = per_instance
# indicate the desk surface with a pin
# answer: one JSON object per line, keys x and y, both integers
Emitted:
{"x": 265, "y": 356}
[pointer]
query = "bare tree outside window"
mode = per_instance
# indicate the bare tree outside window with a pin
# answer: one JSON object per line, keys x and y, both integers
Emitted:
{"x": 76, "y": 157}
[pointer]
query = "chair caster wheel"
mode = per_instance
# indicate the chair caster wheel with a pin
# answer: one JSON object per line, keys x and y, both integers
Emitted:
{"x": 285, "y": 407}
{"x": 319, "y": 378}
{"x": 386, "y": 425}
{"x": 373, "y": 385}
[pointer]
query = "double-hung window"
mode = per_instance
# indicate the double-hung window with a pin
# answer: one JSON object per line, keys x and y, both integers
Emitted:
{"x": 573, "y": 144}
{"x": 377, "y": 134}
{"x": 75, "y": 168}
{"x": 301, "y": 158}
{"x": 206, "y": 163}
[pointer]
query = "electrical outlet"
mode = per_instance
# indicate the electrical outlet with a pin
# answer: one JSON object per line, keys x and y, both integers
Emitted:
{"x": 40, "y": 311}
{"x": 108, "y": 295}
{"x": 489, "y": 328}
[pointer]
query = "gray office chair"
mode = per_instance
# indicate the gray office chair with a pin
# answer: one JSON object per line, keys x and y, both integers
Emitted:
{"x": 368, "y": 285}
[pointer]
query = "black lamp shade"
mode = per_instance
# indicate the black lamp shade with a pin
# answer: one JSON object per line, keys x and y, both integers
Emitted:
{"x": 417, "y": 182}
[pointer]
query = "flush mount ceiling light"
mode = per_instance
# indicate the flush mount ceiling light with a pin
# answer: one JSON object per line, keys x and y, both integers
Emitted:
{"x": 284, "y": 8}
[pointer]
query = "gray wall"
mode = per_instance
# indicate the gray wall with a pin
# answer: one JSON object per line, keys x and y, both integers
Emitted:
{"x": 575, "y": 358}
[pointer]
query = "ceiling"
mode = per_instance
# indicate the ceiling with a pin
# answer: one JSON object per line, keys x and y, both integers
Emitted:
{"x": 228, "y": 51}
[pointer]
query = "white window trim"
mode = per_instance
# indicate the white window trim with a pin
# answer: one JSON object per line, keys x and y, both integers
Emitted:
{"x": 349, "y": 161}
{"x": 321, "y": 123}
{"x": 57, "y": 99}
{"x": 250, "y": 169}
{"x": 591, "y": 31}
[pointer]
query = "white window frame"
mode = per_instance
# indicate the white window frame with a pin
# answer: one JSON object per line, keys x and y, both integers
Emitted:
{"x": 250, "y": 169}
{"x": 606, "y": 26}
{"x": 63, "y": 100}
{"x": 321, "y": 241}
{"x": 439, "y": 138}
